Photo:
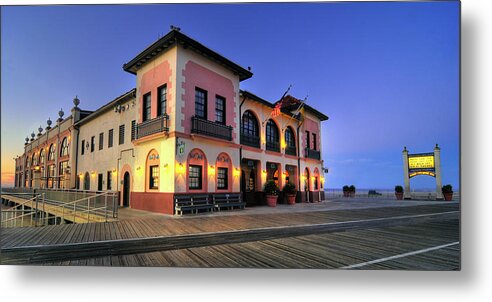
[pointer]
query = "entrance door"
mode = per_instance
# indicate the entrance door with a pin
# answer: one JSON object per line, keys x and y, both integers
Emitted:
{"x": 126, "y": 189}
{"x": 99, "y": 182}
{"x": 306, "y": 184}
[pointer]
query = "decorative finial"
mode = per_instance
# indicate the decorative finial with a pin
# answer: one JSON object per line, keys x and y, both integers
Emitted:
{"x": 48, "y": 122}
{"x": 27, "y": 140}
{"x": 76, "y": 101}
{"x": 60, "y": 114}
{"x": 40, "y": 130}
{"x": 175, "y": 28}
{"x": 405, "y": 148}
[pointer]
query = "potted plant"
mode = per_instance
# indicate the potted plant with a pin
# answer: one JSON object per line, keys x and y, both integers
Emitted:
{"x": 447, "y": 191}
{"x": 271, "y": 192}
{"x": 290, "y": 191}
{"x": 346, "y": 191}
{"x": 352, "y": 191}
{"x": 399, "y": 192}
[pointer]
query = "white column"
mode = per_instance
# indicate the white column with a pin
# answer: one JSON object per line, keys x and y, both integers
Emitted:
{"x": 406, "y": 178}
{"x": 437, "y": 165}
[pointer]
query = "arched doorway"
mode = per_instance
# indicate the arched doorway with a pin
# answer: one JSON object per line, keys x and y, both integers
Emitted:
{"x": 306, "y": 188}
{"x": 126, "y": 189}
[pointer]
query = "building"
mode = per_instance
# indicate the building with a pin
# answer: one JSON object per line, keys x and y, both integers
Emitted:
{"x": 187, "y": 128}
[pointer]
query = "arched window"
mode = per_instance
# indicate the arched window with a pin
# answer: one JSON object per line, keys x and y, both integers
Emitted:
{"x": 272, "y": 143}
{"x": 223, "y": 171}
{"x": 87, "y": 181}
{"x": 41, "y": 156}
{"x": 153, "y": 163}
{"x": 27, "y": 162}
{"x": 290, "y": 143}
{"x": 34, "y": 161}
{"x": 51, "y": 153}
{"x": 250, "y": 135}
{"x": 197, "y": 170}
{"x": 64, "y": 147}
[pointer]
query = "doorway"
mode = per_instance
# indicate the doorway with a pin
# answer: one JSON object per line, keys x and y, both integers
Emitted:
{"x": 99, "y": 182}
{"x": 126, "y": 189}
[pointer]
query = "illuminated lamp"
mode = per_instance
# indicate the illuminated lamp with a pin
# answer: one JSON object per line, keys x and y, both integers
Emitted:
{"x": 211, "y": 170}
{"x": 36, "y": 168}
{"x": 165, "y": 166}
{"x": 283, "y": 144}
{"x": 93, "y": 173}
{"x": 236, "y": 172}
{"x": 264, "y": 171}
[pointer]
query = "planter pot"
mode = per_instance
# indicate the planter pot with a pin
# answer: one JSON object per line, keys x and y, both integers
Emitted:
{"x": 448, "y": 196}
{"x": 352, "y": 194}
{"x": 271, "y": 200}
{"x": 291, "y": 199}
{"x": 346, "y": 194}
{"x": 399, "y": 195}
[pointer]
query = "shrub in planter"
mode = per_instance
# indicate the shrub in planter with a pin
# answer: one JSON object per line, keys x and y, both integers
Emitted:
{"x": 447, "y": 191}
{"x": 346, "y": 191}
{"x": 290, "y": 191}
{"x": 352, "y": 191}
{"x": 399, "y": 192}
{"x": 271, "y": 192}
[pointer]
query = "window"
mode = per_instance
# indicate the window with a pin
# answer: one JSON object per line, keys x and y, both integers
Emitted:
{"x": 220, "y": 110}
{"x": 64, "y": 147}
{"x": 200, "y": 103}
{"x": 161, "y": 100}
{"x": 222, "y": 178}
{"x": 147, "y": 106}
{"x": 195, "y": 177}
{"x": 308, "y": 140}
{"x": 315, "y": 183}
{"x": 41, "y": 157}
{"x": 122, "y": 135}
{"x": 51, "y": 174}
{"x": 101, "y": 140}
{"x": 314, "y": 141}
{"x": 110, "y": 138}
{"x": 109, "y": 181}
{"x": 154, "y": 177}
{"x": 62, "y": 167}
{"x": 83, "y": 147}
{"x": 34, "y": 160}
{"x": 134, "y": 130}
{"x": 272, "y": 137}
{"x": 93, "y": 143}
{"x": 51, "y": 153}
{"x": 290, "y": 142}
{"x": 249, "y": 125}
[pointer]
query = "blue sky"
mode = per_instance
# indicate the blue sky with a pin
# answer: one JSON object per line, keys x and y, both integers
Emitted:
{"x": 387, "y": 74}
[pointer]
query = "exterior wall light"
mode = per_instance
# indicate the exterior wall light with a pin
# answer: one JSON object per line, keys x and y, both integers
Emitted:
{"x": 165, "y": 166}
{"x": 236, "y": 172}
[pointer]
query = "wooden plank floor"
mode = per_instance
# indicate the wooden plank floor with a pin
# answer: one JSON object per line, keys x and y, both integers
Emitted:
{"x": 335, "y": 250}
{"x": 154, "y": 226}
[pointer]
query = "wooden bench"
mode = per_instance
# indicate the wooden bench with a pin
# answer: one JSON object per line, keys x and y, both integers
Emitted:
{"x": 227, "y": 201}
{"x": 192, "y": 203}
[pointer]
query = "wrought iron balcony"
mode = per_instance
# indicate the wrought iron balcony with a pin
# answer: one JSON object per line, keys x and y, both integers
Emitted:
{"x": 205, "y": 127}
{"x": 250, "y": 140}
{"x": 291, "y": 150}
{"x": 273, "y": 146}
{"x": 153, "y": 126}
{"x": 310, "y": 153}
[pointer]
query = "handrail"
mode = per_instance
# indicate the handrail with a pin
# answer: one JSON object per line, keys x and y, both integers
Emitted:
{"x": 97, "y": 208}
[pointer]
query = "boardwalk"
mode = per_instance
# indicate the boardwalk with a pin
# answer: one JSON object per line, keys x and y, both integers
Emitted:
{"x": 319, "y": 239}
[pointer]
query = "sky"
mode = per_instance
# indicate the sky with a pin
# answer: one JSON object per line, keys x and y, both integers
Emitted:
{"x": 386, "y": 74}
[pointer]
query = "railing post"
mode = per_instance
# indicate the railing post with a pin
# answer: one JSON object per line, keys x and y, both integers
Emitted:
{"x": 37, "y": 211}
{"x": 88, "y": 205}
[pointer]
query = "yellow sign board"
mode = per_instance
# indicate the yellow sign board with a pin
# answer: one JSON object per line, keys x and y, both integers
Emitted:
{"x": 421, "y": 162}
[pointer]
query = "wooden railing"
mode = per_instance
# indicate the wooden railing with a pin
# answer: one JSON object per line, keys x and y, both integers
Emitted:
{"x": 153, "y": 126}
{"x": 206, "y": 127}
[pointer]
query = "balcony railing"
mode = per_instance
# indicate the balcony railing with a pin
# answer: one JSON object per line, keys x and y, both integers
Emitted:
{"x": 310, "y": 153}
{"x": 205, "y": 127}
{"x": 250, "y": 140}
{"x": 153, "y": 126}
{"x": 290, "y": 150}
{"x": 273, "y": 146}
